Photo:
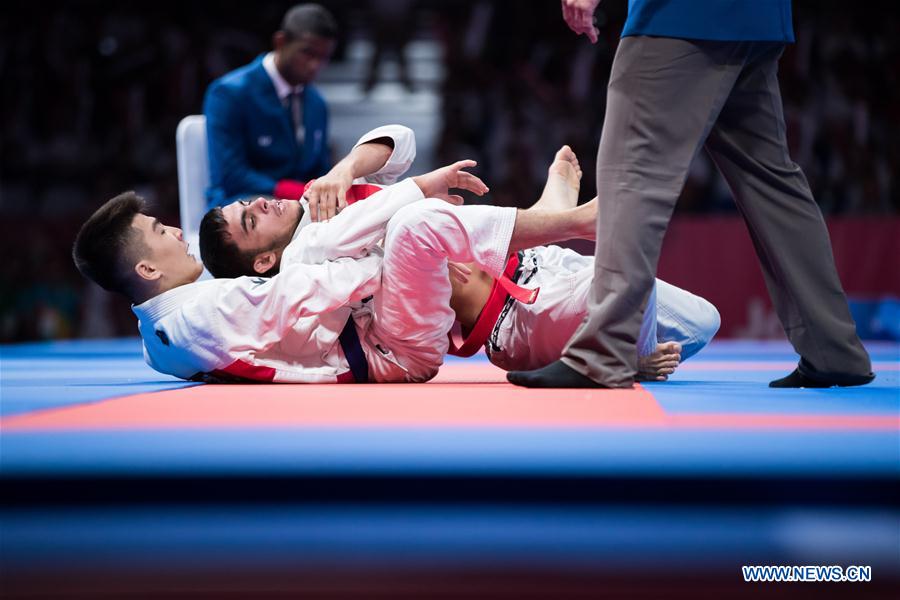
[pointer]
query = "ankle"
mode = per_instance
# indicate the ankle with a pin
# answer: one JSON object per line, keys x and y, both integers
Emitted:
{"x": 584, "y": 222}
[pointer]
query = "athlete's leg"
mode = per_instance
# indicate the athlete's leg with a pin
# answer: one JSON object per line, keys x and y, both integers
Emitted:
{"x": 684, "y": 318}
{"x": 413, "y": 313}
{"x": 560, "y": 193}
{"x": 677, "y": 325}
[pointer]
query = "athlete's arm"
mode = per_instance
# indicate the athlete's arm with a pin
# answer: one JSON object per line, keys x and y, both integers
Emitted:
{"x": 363, "y": 224}
{"x": 381, "y": 156}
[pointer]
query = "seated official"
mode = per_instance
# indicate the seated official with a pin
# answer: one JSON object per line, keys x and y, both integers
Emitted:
{"x": 267, "y": 127}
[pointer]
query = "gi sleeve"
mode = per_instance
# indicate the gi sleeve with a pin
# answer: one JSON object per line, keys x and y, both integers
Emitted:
{"x": 257, "y": 312}
{"x": 356, "y": 230}
{"x": 401, "y": 158}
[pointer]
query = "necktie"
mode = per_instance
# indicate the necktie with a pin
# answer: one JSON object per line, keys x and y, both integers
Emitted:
{"x": 295, "y": 101}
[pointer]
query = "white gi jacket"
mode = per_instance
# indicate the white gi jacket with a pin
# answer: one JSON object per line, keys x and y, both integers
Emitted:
{"x": 284, "y": 328}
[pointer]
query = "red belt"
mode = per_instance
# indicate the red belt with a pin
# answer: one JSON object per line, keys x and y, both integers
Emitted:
{"x": 503, "y": 288}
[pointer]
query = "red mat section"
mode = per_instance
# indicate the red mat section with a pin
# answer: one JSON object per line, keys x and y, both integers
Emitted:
{"x": 478, "y": 397}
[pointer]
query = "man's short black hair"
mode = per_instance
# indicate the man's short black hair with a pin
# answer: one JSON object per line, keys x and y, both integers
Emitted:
{"x": 219, "y": 253}
{"x": 309, "y": 18}
{"x": 108, "y": 247}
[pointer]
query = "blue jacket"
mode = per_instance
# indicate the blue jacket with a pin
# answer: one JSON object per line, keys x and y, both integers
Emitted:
{"x": 722, "y": 20}
{"x": 250, "y": 136}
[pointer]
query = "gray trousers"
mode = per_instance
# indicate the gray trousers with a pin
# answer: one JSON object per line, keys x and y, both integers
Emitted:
{"x": 667, "y": 98}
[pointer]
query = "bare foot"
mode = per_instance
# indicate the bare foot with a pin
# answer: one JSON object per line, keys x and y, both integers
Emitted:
{"x": 661, "y": 363}
{"x": 563, "y": 182}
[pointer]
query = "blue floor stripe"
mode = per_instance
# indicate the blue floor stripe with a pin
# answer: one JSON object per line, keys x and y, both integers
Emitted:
{"x": 718, "y": 391}
{"x": 55, "y": 374}
{"x": 315, "y": 537}
{"x": 481, "y": 451}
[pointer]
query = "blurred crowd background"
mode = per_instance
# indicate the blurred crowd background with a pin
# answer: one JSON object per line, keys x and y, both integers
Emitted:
{"x": 93, "y": 91}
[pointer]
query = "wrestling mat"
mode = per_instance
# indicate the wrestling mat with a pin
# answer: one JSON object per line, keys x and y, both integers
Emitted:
{"x": 118, "y": 480}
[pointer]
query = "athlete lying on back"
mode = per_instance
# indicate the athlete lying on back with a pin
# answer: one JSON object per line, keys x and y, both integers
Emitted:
{"x": 256, "y": 237}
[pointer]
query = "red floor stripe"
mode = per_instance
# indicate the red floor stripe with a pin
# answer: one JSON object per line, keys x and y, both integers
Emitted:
{"x": 436, "y": 405}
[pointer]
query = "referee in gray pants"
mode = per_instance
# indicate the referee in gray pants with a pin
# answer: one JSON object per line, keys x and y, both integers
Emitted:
{"x": 689, "y": 74}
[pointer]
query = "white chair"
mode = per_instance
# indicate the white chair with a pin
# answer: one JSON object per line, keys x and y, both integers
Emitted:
{"x": 193, "y": 178}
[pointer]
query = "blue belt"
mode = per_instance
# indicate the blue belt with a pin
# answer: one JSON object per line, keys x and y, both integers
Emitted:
{"x": 349, "y": 340}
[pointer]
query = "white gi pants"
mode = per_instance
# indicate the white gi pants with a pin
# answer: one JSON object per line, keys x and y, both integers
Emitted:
{"x": 412, "y": 310}
{"x": 530, "y": 336}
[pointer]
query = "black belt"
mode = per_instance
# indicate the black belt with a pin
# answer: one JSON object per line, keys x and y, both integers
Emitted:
{"x": 353, "y": 351}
